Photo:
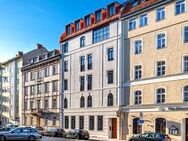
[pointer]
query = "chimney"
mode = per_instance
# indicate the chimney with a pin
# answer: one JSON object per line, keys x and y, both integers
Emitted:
{"x": 19, "y": 54}
{"x": 39, "y": 46}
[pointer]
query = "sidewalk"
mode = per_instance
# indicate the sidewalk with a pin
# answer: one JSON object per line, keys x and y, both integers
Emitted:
{"x": 95, "y": 138}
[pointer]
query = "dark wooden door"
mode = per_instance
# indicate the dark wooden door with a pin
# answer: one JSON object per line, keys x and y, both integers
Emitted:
{"x": 186, "y": 132}
{"x": 114, "y": 128}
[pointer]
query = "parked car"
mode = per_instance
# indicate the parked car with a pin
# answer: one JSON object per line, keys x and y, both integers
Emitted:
{"x": 77, "y": 134}
{"x": 4, "y": 129}
{"x": 21, "y": 133}
{"x": 54, "y": 132}
{"x": 151, "y": 137}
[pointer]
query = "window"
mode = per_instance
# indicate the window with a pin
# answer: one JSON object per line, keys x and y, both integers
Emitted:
{"x": 137, "y": 129}
{"x": 46, "y": 121}
{"x": 160, "y": 96}
{"x": 38, "y": 104}
{"x": 33, "y": 75}
{"x": 82, "y": 63}
{"x": 101, "y": 34}
{"x": 26, "y": 77}
{"x": 31, "y": 104}
{"x": 185, "y": 34}
{"x": 137, "y": 97}
{"x": 81, "y": 123}
{"x": 89, "y": 62}
{"x": 39, "y": 74}
{"x": 54, "y": 102}
{"x": 31, "y": 121}
{"x": 65, "y": 47}
{"x": 87, "y": 21}
{"x": 99, "y": 123}
{"x": 82, "y": 83}
{"x": 46, "y": 87}
{"x": 65, "y": 84}
{"x": 91, "y": 122}
{"x": 46, "y": 72}
{"x": 160, "y": 14}
{"x": 82, "y": 41}
{"x": 161, "y": 40}
{"x": 132, "y": 24}
{"x": 54, "y": 69}
{"x": 111, "y": 10}
{"x": 110, "y": 77}
{"x": 39, "y": 88}
{"x": 73, "y": 122}
{"x": 82, "y": 102}
{"x": 185, "y": 64}
{"x": 89, "y": 101}
{"x": 138, "y": 47}
{"x": 160, "y": 125}
{"x": 66, "y": 122}
{"x": 68, "y": 29}
{"x": 77, "y": 25}
{"x": 110, "y": 99}
{"x": 65, "y": 103}
{"x": 185, "y": 92}
{"x": 143, "y": 20}
{"x": 55, "y": 86}
{"x": 137, "y": 72}
{"x": 32, "y": 90}
{"x": 180, "y": 7}
{"x": 89, "y": 82}
{"x": 65, "y": 66}
{"x": 46, "y": 103}
{"x": 54, "y": 121}
{"x": 26, "y": 91}
{"x": 110, "y": 54}
{"x": 160, "y": 68}
{"x": 98, "y": 16}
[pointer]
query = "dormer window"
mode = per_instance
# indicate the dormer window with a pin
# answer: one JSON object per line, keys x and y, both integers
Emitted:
{"x": 98, "y": 16}
{"x": 87, "y": 21}
{"x": 77, "y": 25}
{"x": 111, "y": 10}
{"x": 68, "y": 30}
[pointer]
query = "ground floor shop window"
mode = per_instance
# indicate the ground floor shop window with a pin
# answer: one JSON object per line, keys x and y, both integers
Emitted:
{"x": 66, "y": 122}
{"x": 91, "y": 122}
{"x": 160, "y": 125}
{"x": 81, "y": 123}
{"x": 100, "y": 123}
{"x": 137, "y": 129}
{"x": 72, "y": 122}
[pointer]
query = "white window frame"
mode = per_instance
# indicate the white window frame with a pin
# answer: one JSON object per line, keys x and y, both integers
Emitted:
{"x": 133, "y": 19}
{"x": 140, "y": 39}
{"x": 157, "y": 12}
{"x": 183, "y": 37}
{"x": 156, "y": 95}
{"x": 182, "y": 63}
{"x": 145, "y": 15}
{"x": 134, "y": 71}
{"x": 156, "y": 40}
{"x": 156, "y": 67}
{"x": 175, "y": 8}
{"x": 134, "y": 97}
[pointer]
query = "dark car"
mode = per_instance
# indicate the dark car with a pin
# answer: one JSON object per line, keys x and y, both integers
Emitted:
{"x": 78, "y": 134}
{"x": 151, "y": 137}
{"x": 54, "y": 132}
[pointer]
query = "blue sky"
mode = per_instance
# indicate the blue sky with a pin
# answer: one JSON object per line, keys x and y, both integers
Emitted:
{"x": 24, "y": 23}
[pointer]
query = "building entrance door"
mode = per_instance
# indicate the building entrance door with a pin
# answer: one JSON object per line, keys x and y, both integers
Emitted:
{"x": 186, "y": 130}
{"x": 114, "y": 128}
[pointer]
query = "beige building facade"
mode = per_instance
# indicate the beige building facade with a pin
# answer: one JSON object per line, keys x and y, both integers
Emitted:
{"x": 41, "y": 88}
{"x": 155, "y": 38}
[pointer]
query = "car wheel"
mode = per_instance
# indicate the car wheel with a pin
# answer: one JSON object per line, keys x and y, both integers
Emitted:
{"x": 2, "y": 138}
{"x": 31, "y": 138}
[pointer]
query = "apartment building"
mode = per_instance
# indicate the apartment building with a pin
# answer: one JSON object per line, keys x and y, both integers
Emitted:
{"x": 91, "y": 62}
{"x": 10, "y": 82}
{"x": 41, "y": 88}
{"x": 155, "y": 39}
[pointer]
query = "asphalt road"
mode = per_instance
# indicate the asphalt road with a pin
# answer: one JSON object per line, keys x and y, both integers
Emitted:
{"x": 45, "y": 138}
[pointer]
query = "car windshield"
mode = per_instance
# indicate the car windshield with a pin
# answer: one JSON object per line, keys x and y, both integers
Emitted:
{"x": 12, "y": 130}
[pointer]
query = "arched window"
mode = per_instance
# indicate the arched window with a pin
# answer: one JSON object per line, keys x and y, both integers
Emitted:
{"x": 160, "y": 125}
{"x": 110, "y": 99}
{"x": 137, "y": 97}
{"x": 185, "y": 93}
{"x": 89, "y": 101}
{"x": 137, "y": 129}
{"x": 82, "y": 41}
{"x": 82, "y": 102}
{"x": 160, "y": 95}
{"x": 65, "y": 103}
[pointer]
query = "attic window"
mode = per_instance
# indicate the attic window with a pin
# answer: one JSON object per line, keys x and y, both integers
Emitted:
{"x": 77, "y": 25}
{"x": 68, "y": 29}
{"x": 135, "y": 3}
{"x": 111, "y": 10}
{"x": 87, "y": 20}
{"x": 98, "y": 16}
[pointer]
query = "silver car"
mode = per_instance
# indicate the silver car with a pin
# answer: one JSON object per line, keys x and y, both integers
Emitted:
{"x": 20, "y": 133}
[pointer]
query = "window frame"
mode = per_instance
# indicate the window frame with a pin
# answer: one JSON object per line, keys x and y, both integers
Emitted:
{"x": 161, "y": 19}
{"x": 145, "y": 19}
{"x": 110, "y": 53}
{"x": 140, "y": 98}
{"x": 161, "y": 96}
{"x": 133, "y": 20}
{"x": 183, "y": 34}
{"x": 108, "y": 80}
{"x": 176, "y": 14}
{"x": 156, "y": 40}
{"x": 156, "y": 71}
{"x": 134, "y": 76}
{"x": 134, "y": 46}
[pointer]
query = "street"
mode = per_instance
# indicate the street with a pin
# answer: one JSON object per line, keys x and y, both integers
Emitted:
{"x": 45, "y": 138}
